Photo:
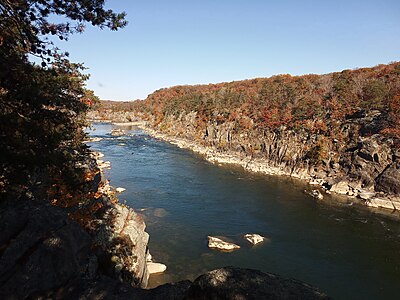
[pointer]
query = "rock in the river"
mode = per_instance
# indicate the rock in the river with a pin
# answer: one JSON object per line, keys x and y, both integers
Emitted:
{"x": 155, "y": 268}
{"x": 120, "y": 189}
{"x": 254, "y": 238}
{"x": 315, "y": 194}
{"x": 117, "y": 132}
{"x": 237, "y": 283}
{"x": 219, "y": 244}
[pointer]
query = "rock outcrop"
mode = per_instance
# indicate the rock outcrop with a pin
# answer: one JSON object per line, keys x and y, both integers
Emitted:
{"x": 237, "y": 283}
{"x": 254, "y": 238}
{"x": 217, "y": 243}
{"x": 44, "y": 252}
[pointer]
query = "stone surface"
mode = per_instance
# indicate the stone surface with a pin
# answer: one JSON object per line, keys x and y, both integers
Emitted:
{"x": 237, "y": 283}
{"x": 217, "y": 243}
{"x": 389, "y": 180}
{"x": 120, "y": 189}
{"x": 254, "y": 238}
{"x": 342, "y": 187}
{"x": 155, "y": 268}
{"x": 41, "y": 250}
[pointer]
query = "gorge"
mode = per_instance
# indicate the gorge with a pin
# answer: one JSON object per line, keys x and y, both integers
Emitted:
{"x": 344, "y": 248}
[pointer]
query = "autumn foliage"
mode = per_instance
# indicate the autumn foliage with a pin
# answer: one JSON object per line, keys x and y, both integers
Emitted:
{"x": 316, "y": 103}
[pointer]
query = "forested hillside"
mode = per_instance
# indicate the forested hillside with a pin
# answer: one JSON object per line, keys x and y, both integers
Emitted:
{"x": 316, "y": 103}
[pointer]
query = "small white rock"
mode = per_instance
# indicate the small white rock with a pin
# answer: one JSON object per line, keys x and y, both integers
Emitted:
{"x": 119, "y": 189}
{"x": 254, "y": 238}
{"x": 219, "y": 244}
{"x": 155, "y": 268}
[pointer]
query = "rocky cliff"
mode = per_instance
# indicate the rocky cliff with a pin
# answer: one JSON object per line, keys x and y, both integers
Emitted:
{"x": 364, "y": 167}
{"x": 54, "y": 251}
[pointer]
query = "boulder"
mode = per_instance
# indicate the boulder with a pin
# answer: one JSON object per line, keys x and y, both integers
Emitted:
{"x": 389, "y": 180}
{"x": 237, "y": 283}
{"x": 254, "y": 238}
{"x": 120, "y": 189}
{"x": 342, "y": 187}
{"x": 214, "y": 242}
{"x": 155, "y": 268}
{"x": 42, "y": 250}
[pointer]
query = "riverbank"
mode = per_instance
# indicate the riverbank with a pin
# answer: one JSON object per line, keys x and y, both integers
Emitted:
{"x": 343, "y": 187}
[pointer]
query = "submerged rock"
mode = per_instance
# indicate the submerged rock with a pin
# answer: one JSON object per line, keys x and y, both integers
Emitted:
{"x": 214, "y": 242}
{"x": 254, "y": 238}
{"x": 160, "y": 212}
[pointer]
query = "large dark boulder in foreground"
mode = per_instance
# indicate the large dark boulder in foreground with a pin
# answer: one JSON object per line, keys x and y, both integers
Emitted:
{"x": 237, "y": 283}
{"x": 41, "y": 250}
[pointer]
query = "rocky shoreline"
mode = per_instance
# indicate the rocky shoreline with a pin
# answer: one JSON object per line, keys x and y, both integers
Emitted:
{"x": 261, "y": 165}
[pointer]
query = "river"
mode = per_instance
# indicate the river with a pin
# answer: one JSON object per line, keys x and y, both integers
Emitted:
{"x": 348, "y": 251}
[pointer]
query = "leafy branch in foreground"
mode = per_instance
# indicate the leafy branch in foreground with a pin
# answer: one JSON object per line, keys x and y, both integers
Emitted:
{"x": 42, "y": 107}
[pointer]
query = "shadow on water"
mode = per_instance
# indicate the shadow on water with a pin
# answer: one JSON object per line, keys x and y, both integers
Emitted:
{"x": 346, "y": 250}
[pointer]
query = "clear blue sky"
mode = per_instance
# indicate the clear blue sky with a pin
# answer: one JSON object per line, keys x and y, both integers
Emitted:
{"x": 178, "y": 42}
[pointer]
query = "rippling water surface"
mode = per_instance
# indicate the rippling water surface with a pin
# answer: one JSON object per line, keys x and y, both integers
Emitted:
{"x": 345, "y": 250}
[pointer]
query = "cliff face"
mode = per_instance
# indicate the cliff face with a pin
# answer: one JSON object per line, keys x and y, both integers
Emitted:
{"x": 53, "y": 251}
{"x": 362, "y": 166}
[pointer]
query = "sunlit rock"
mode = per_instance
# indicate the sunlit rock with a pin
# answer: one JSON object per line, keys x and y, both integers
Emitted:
{"x": 117, "y": 132}
{"x": 155, "y": 268}
{"x": 120, "y": 189}
{"x": 103, "y": 164}
{"x": 254, "y": 238}
{"x": 219, "y": 244}
{"x": 342, "y": 187}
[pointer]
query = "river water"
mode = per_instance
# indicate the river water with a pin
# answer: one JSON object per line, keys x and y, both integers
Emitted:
{"x": 346, "y": 250}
